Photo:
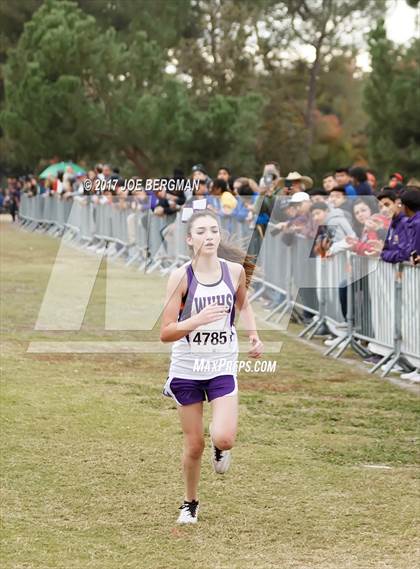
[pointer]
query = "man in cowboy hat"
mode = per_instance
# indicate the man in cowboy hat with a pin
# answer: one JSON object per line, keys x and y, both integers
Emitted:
{"x": 295, "y": 182}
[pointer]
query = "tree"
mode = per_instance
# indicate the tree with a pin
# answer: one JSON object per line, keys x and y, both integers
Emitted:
{"x": 75, "y": 91}
{"x": 392, "y": 100}
{"x": 325, "y": 25}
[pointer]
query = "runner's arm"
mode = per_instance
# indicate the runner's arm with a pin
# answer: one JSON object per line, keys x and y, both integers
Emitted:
{"x": 172, "y": 330}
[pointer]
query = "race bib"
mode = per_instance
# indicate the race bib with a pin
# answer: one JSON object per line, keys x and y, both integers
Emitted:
{"x": 210, "y": 341}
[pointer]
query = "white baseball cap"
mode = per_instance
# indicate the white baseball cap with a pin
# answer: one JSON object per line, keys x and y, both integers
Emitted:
{"x": 300, "y": 197}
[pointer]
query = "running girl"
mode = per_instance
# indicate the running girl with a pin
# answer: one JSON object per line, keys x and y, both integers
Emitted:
{"x": 199, "y": 318}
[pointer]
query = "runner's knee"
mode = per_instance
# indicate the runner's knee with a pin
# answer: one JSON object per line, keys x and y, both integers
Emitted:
{"x": 224, "y": 441}
{"x": 194, "y": 446}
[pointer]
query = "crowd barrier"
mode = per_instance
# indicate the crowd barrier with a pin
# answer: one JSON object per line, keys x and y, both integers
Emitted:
{"x": 381, "y": 300}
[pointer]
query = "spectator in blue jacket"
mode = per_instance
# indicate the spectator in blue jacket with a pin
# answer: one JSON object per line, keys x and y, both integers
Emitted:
{"x": 359, "y": 181}
{"x": 410, "y": 200}
{"x": 343, "y": 179}
{"x": 396, "y": 245}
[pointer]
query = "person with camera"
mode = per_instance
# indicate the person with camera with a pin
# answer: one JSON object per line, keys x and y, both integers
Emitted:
{"x": 294, "y": 183}
{"x": 268, "y": 190}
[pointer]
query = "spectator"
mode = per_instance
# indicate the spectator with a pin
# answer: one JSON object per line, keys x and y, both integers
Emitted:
{"x": 413, "y": 183}
{"x": 359, "y": 181}
{"x": 223, "y": 201}
{"x": 198, "y": 172}
{"x": 342, "y": 177}
{"x": 318, "y": 195}
{"x": 49, "y": 185}
{"x": 410, "y": 200}
{"x": 338, "y": 199}
{"x": 246, "y": 191}
{"x": 371, "y": 178}
{"x": 333, "y": 229}
{"x": 272, "y": 169}
{"x": 395, "y": 249}
{"x": 58, "y": 186}
{"x": 98, "y": 172}
{"x": 170, "y": 202}
{"x": 362, "y": 209}
{"x": 295, "y": 182}
{"x": 268, "y": 191}
{"x": 224, "y": 173}
{"x": 329, "y": 182}
{"x": 245, "y": 187}
{"x": 300, "y": 222}
{"x": 107, "y": 171}
{"x": 396, "y": 181}
{"x": 264, "y": 206}
{"x": 13, "y": 198}
{"x": 374, "y": 229}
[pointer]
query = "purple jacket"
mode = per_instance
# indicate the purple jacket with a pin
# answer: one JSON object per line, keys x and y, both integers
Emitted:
{"x": 396, "y": 247}
{"x": 413, "y": 228}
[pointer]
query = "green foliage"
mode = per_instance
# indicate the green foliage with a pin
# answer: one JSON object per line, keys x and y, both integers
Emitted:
{"x": 73, "y": 90}
{"x": 235, "y": 144}
{"x": 159, "y": 83}
{"x": 392, "y": 99}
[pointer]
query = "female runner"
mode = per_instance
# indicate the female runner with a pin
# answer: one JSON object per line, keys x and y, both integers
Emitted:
{"x": 199, "y": 318}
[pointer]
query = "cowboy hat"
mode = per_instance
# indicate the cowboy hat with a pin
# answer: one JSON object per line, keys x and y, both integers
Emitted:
{"x": 295, "y": 176}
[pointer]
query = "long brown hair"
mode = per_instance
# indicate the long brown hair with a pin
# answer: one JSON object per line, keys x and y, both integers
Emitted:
{"x": 227, "y": 248}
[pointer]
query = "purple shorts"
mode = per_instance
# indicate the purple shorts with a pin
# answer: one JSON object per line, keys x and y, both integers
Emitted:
{"x": 189, "y": 391}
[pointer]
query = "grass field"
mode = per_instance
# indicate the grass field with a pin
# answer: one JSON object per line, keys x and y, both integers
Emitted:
{"x": 91, "y": 453}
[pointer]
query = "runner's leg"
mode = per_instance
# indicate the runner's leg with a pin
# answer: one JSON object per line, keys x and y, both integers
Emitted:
{"x": 191, "y": 417}
{"x": 224, "y": 421}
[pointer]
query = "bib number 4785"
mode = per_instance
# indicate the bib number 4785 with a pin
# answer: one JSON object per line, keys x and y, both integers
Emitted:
{"x": 211, "y": 341}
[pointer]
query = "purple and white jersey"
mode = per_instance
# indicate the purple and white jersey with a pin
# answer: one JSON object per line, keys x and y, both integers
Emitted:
{"x": 216, "y": 341}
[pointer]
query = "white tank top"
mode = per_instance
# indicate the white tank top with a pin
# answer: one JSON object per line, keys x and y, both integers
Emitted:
{"x": 212, "y": 349}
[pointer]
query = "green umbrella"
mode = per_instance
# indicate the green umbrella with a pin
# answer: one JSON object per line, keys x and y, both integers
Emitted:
{"x": 55, "y": 168}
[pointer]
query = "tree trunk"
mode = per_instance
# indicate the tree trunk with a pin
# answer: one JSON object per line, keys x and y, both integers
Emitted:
{"x": 139, "y": 159}
{"x": 311, "y": 99}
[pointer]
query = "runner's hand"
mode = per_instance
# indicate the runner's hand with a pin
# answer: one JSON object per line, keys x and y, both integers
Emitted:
{"x": 211, "y": 313}
{"x": 256, "y": 346}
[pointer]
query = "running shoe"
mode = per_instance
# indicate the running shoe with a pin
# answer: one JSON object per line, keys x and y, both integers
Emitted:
{"x": 189, "y": 512}
{"x": 220, "y": 459}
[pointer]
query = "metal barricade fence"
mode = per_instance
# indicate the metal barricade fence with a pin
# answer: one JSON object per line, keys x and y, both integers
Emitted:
{"x": 63, "y": 211}
{"x": 49, "y": 208}
{"x": 373, "y": 300}
{"x": 239, "y": 230}
{"x": 182, "y": 253}
{"x": 24, "y": 207}
{"x": 410, "y": 314}
{"x": 119, "y": 228}
{"x": 141, "y": 231}
{"x": 385, "y": 307}
{"x": 84, "y": 210}
{"x": 103, "y": 223}
{"x": 332, "y": 276}
{"x": 304, "y": 273}
{"x": 271, "y": 261}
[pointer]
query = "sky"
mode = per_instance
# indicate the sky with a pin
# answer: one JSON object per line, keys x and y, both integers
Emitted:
{"x": 400, "y": 24}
